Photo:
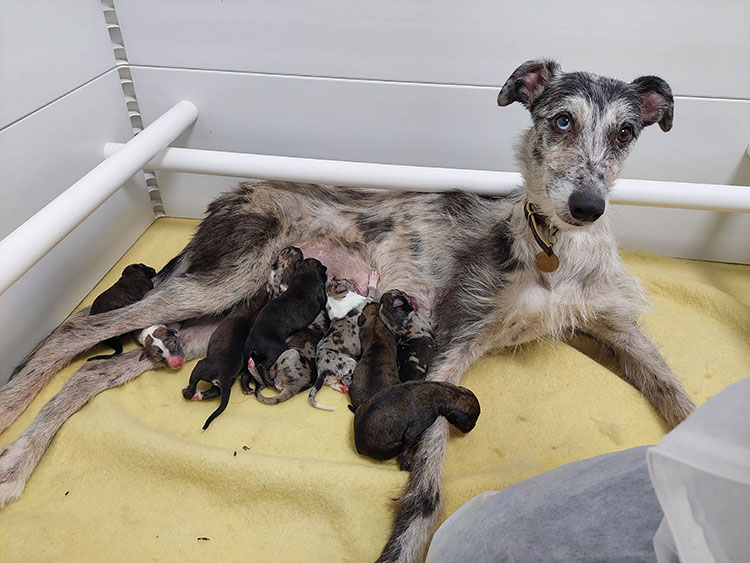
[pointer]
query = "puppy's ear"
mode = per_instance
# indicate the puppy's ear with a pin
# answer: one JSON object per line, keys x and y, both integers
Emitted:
{"x": 361, "y": 320}
{"x": 527, "y": 82}
{"x": 657, "y": 103}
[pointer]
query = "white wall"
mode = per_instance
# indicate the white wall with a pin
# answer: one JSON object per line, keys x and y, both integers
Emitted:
{"x": 415, "y": 82}
{"x": 60, "y": 101}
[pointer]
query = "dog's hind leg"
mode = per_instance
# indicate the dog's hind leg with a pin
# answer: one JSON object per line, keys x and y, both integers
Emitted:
{"x": 19, "y": 459}
{"x": 640, "y": 364}
{"x": 176, "y": 299}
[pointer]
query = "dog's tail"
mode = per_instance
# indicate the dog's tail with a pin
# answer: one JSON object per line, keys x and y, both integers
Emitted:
{"x": 225, "y": 387}
{"x": 417, "y": 510}
{"x": 286, "y": 393}
{"x": 314, "y": 391}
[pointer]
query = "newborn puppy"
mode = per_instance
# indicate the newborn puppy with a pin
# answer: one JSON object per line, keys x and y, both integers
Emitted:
{"x": 295, "y": 371}
{"x": 224, "y": 357}
{"x": 392, "y": 422}
{"x": 282, "y": 270}
{"x": 132, "y": 286}
{"x": 337, "y": 352}
{"x": 376, "y": 369}
{"x": 415, "y": 345}
{"x": 293, "y": 310}
{"x": 161, "y": 343}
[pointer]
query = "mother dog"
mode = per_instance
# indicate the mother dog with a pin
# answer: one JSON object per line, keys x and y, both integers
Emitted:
{"x": 494, "y": 271}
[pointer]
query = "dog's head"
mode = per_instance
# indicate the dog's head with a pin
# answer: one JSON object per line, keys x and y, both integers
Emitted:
{"x": 338, "y": 288}
{"x": 283, "y": 269}
{"x": 163, "y": 345}
{"x": 584, "y": 128}
{"x": 396, "y": 311}
{"x": 139, "y": 270}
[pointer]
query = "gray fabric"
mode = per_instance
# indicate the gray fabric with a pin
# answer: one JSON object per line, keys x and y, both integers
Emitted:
{"x": 599, "y": 509}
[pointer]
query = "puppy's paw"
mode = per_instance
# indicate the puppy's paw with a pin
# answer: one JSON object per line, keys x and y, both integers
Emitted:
{"x": 374, "y": 279}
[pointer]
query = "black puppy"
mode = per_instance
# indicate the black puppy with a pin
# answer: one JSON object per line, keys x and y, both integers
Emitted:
{"x": 225, "y": 348}
{"x": 293, "y": 310}
{"x": 391, "y": 423}
{"x": 376, "y": 369}
{"x": 132, "y": 286}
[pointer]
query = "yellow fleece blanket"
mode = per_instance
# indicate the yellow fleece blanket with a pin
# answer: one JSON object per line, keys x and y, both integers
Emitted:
{"x": 132, "y": 477}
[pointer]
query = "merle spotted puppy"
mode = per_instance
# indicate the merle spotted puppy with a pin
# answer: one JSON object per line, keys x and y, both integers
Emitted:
{"x": 391, "y": 423}
{"x": 295, "y": 370}
{"x": 416, "y": 346}
{"x": 282, "y": 270}
{"x": 339, "y": 349}
{"x": 376, "y": 369}
{"x": 132, "y": 286}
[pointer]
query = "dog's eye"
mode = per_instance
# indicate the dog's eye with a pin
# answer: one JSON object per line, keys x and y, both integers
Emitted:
{"x": 625, "y": 134}
{"x": 563, "y": 123}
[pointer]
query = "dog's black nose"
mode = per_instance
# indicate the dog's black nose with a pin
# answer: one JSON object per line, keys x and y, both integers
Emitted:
{"x": 585, "y": 207}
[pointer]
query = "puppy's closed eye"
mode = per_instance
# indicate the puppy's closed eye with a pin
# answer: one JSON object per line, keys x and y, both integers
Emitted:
{"x": 361, "y": 320}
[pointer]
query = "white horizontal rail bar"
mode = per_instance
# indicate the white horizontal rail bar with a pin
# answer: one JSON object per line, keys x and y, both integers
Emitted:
{"x": 28, "y": 244}
{"x": 716, "y": 197}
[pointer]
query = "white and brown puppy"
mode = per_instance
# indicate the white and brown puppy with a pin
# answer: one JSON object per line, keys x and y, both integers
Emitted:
{"x": 391, "y": 423}
{"x": 413, "y": 332}
{"x": 295, "y": 371}
{"x": 162, "y": 344}
{"x": 376, "y": 369}
{"x": 338, "y": 350}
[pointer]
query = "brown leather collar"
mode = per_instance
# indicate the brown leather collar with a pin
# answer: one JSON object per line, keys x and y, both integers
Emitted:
{"x": 537, "y": 221}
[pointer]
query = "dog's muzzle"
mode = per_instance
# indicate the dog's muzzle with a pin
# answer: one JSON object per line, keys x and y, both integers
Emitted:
{"x": 586, "y": 207}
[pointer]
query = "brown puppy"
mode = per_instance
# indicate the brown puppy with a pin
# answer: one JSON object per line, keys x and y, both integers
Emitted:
{"x": 391, "y": 423}
{"x": 132, "y": 286}
{"x": 376, "y": 369}
{"x": 413, "y": 332}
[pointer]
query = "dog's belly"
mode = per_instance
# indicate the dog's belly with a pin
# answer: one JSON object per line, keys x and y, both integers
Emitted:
{"x": 339, "y": 262}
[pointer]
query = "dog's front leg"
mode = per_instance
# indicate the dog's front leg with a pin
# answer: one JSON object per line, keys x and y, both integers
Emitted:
{"x": 418, "y": 508}
{"x": 640, "y": 364}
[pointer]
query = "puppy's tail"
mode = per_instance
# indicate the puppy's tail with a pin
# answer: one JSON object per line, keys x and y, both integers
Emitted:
{"x": 103, "y": 357}
{"x": 286, "y": 393}
{"x": 225, "y": 387}
{"x": 417, "y": 510}
{"x": 113, "y": 343}
{"x": 314, "y": 391}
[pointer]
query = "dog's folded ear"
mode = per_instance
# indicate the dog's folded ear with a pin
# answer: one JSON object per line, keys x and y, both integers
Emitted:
{"x": 527, "y": 82}
{"x": 657, "y": 103}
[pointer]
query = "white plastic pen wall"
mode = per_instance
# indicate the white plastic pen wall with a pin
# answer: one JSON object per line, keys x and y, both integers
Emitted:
{"x": 30, "y": 242}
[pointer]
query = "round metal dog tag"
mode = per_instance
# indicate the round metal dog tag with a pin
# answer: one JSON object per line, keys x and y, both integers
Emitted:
{"x": 546, "y": 263}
